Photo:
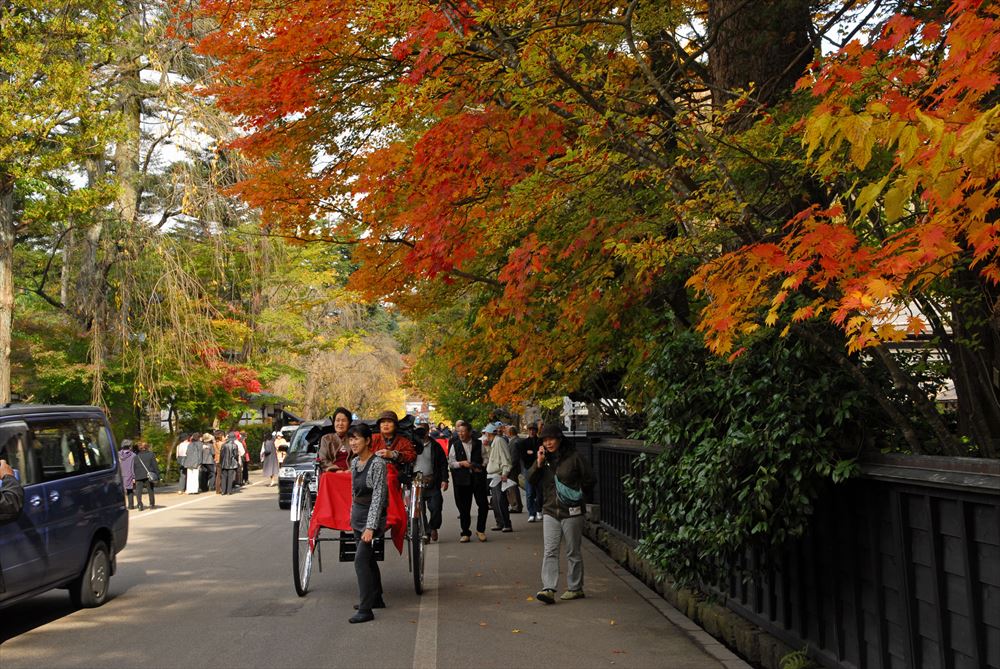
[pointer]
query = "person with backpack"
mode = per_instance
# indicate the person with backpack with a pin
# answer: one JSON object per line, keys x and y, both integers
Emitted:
{"x": 229, "y": 463}
{"x": 564, "y": 476}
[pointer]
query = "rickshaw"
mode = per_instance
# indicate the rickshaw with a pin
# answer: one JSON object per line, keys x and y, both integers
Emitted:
{"x": 307, "y": 550}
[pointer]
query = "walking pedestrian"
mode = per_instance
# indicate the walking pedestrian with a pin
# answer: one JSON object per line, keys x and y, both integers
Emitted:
{"x": 369, "y": 501}
{"x": 269, "y": 459}
{"x": 207, "y": 474}
{"x": 147, "y": 473}
{"x": 527, "y": 452}
{"x": 192, "y": 464}
{"x": 514, "y": 491}
{"x": 497, "y": 473}
{"x": 564, "y": 476}
{"x": 229, "y": 464}
{"x": 281, "y": 445}
{"x": 468, "y": 476}
{"x": 432, "y": 467}
{"x": 219, "y": 440}
{"x": 179, "y": 454}
{"x": 245, "y": 458}
{"x": 126, "y": 460}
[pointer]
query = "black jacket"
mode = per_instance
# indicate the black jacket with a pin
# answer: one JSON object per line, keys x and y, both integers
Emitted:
{"x": 573, "y": 470}
{"x": 148, "y": 459}
{"x": 462, "y": 476}
{"x": 438, "y": 459}
{"x": 11, "y": 499}
{"x": 525, "y": 449}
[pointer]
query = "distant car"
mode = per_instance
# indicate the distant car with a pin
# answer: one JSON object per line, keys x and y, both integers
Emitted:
{"x": 302, "y": 450}
{"x": 74, "y": 522}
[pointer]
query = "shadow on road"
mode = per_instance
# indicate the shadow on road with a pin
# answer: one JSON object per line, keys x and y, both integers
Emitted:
{"x": 36, "y": 612}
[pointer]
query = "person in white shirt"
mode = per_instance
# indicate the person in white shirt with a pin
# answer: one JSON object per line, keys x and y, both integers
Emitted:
{"x": 181, "y": 451}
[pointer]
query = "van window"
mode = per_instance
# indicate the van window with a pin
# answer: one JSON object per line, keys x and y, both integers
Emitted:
{"x": 65, "y": 447}
{"x": 13, "y": 449}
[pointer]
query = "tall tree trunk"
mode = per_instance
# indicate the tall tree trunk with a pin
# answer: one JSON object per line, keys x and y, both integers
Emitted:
{"x": 763, "y": 42}
{"x": 7, "y": 230}
{"x": 67, "y": 262}
{"x": 974, "y": 356}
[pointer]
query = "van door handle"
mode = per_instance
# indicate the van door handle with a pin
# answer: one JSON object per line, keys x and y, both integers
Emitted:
{"x": 53, "y": 496}
{"x": 35, "y": 500}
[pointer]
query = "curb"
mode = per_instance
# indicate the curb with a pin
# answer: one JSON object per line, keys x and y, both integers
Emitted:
{"x": 695, "y": 632}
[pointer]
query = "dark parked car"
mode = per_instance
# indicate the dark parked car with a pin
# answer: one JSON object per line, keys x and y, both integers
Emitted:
{"x": 74, "y": 522}
{"x": 301, "y": 458}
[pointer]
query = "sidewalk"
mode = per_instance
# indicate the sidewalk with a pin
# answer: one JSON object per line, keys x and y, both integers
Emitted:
{"x": 621, "y": 622}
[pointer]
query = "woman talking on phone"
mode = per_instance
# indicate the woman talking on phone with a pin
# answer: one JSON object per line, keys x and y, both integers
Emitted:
{"x": 369, "y": 500}
{"x": 563, "y": 476}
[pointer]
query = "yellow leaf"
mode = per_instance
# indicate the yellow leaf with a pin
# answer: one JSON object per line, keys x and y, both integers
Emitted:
{"x": 516, "y": 631}
{"x": 895, "y": 197}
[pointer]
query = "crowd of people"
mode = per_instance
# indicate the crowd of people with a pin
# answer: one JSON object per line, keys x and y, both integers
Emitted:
{"x": 214, "y": 461}
{"x": 488, "y": 468}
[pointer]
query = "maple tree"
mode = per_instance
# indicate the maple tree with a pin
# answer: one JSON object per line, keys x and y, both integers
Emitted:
{"x": 565, "y": 176}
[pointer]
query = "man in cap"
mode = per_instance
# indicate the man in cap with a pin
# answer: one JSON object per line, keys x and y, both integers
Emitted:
{"x": 387, "y": 444}
{"x": 432, "y": 465}
{"x": 498, "y": 468}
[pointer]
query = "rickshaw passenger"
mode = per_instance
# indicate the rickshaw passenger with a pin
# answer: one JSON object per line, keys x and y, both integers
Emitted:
{"x": 370, "y": 497}
{"x": 395, "y": 448}
{"x": 333, "y": 448}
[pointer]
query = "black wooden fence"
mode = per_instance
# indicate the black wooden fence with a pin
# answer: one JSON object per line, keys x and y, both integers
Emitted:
{"x": 900, "y": 567}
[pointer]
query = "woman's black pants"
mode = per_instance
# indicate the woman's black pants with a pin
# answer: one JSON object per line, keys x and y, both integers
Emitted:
{"x": 369, "y": 576}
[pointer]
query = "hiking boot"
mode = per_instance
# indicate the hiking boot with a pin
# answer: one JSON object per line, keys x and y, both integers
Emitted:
{"x": 481, "y": 536}
{"x": 572, "y": 594}
{"x": 463, "y": 540}
{"x": 546, "y": 596}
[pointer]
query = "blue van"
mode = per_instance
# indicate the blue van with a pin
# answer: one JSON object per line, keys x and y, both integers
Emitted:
{"x": 74, "y": 522}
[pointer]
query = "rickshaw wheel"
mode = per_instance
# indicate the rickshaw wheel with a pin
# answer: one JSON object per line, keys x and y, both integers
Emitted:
{"x": 302, "y": 554}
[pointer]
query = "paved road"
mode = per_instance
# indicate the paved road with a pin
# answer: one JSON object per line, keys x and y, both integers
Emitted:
{"x": 206, "y": 582}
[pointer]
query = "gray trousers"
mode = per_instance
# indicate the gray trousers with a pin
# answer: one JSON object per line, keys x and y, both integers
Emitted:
{"x": 570, "y": 532}
{"x": 228, "y": 479}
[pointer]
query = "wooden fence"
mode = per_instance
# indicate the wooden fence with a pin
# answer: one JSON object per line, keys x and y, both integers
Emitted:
{"x": 900, "y": 568}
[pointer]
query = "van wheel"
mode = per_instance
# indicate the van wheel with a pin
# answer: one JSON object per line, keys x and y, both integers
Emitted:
{"x": 91, "y": 588}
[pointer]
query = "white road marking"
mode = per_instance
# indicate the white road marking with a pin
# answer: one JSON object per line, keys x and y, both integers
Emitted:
{"x": 200, "y": 497}
{"x": 426, "y": 644}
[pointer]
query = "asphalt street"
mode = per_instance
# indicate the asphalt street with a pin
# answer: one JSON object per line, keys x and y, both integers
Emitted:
{"x": 206, "y": 581}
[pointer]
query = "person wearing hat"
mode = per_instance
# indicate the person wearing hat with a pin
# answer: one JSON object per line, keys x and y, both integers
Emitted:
{"x": 207, "y": 462}
{"x": 126, "y": 460}
{"x": 393, "y": 447}
{"x": 432, "y": 466}
{"x": 498, "y": 468}
{"x": 192, "y": 464}
{"x": 564, "y": 476}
